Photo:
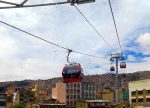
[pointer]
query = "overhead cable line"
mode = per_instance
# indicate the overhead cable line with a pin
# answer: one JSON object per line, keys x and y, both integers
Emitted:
{"x": 32, "y": 35}
{"x": 94, "y": 28}
{"x": 115, "y": 25}
{"x": 49, "y": 41}
{"x": 25, "y": 6}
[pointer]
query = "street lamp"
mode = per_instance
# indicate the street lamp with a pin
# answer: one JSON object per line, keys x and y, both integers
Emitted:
{"x": 80, "y": 1}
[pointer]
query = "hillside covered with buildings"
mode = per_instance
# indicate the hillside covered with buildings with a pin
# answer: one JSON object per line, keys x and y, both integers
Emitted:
{"x": 102, "y": 81}
{"x": 96, "y": 91}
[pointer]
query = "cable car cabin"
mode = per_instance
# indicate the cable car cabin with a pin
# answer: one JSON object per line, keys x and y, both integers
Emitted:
{"x": 122, "y": 65}
{"x": 72, "y": 73}
{"x": 112, "y": 68}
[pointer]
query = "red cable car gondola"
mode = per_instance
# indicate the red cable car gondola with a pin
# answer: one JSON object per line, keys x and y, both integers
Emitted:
{"x": 122, "y": 65}
{"x": 112, "y": 68}
{"x": 72, "y": 73}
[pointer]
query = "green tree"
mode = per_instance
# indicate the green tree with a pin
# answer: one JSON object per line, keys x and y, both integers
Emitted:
{"x": 18, "y": 105}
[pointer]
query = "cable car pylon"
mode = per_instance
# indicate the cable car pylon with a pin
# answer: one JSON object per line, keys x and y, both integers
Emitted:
{"x": 116, "y": 57}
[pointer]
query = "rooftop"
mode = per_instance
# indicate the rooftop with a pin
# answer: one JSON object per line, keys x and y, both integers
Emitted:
{"x": 95, "y": 101}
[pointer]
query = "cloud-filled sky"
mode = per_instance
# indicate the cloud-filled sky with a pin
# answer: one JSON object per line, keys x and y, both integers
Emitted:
{"x": 25, "y": 57}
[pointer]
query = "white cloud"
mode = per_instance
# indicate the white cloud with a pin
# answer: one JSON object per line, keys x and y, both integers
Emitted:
{"x": 134, "y": 67}
{"x": 131, "y": 58}
{"x": 144, "y": 42}
{"x": 7, "y": 45}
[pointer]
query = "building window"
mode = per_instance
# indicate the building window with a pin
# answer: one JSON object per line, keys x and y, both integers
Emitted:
{"x": 82, "y": 92}
{"x": 67, "y": 85}
{"x": 71, "y": 103}
{"x": 140, "y": 92}
{"x": 78, "y": 96}
{"x": 67, "y": 90}
{"x": 21, "y": 95}
{"x": 133, "y": 100}
{"x": 82, "y": 95}
{"x": 82, "y": 85}
{"x": 31, "y": 100}
{"x": 124, "y": 95}
{"x": 89, "y": 88}
{"x": 86, "y": 85}
{"x": 31, "y": 95}
{"x": 147, "y": 99}
{"x": 21, "y": 99}
{"x": 71, "y": 97}
{"x": 67, "y": 96}
{"x": 71, "y": 85}
{"x": 140, "y": 99}
{"x": 78, "y": 85}
{"x": 71, "y": 91}
{"x": 123, "y": 106}
{"x": 82, "y": 88}
{"x": 74, "y": 96}
{"x": 74, "y": 85}
{"x": 78, "y": 91}
{"x": 148, "y": 91}
{"x": 2, "y": 96}
{"x": 68, "y": 103}
{"x": 74, "y": 90}
{"x": 133, "y": 93}
{"x": 89, "y": 84}
{"x": 2, "y": 103}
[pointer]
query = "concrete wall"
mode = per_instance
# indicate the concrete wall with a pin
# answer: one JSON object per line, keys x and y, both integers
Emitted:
{"x": 59, "y": 92}
{"x": 108, "y": 96}
{"x": 138, "y": 85}
{"x": 81, "y": 104}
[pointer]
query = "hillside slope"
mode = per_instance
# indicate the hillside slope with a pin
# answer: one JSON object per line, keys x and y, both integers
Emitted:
{"x": 102, "y": 81}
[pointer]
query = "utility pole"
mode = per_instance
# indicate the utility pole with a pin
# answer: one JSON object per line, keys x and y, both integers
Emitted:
{"x": 116, "y": 57}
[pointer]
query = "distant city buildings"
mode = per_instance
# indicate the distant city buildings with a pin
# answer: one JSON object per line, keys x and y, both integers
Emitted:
{"x": 26, "y": 97}
{"x": 79, "y": 95}
{"x": 29, "y": 97}
{"x": 3, "y": 100}
{"x": 69, "y": 93}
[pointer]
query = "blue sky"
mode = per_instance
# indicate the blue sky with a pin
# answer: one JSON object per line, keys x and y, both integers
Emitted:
{"x": 25, "y": 57}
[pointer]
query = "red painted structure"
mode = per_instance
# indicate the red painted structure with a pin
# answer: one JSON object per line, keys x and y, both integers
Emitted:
{"x": 72, "y": 73}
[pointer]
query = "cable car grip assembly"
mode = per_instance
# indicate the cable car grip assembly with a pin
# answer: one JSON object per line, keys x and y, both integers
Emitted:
{"x": 69, "y": 51}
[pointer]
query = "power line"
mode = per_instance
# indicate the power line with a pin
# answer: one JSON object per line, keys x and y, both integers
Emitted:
{"x": 93, "y": 28}
{"x": 49, "y": 41}
{"x": 115, "y": 25}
